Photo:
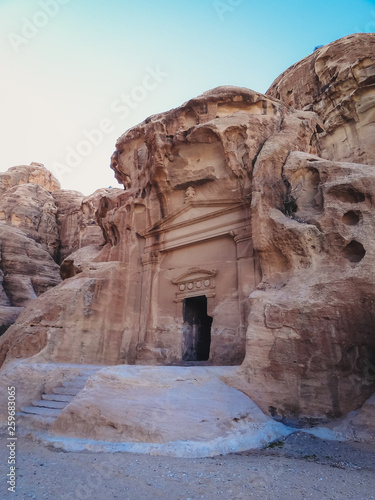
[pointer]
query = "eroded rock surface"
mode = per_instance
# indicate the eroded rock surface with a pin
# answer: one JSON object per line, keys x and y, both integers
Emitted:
{"x": 310, "y": 339}
{"x": 178, "y": 240}
{"x": 337, "y": 81}
{"x": 39, "y": 225}
{"x": 245, "y": 236}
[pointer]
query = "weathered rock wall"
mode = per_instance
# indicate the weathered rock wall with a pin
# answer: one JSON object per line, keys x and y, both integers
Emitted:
{"x": 40, "y": 224}
{"x": 310, "y": 346}
{"x": 181, "y": 229}
{"x": 262, "y": 211}
{"x": 337, "y": 82}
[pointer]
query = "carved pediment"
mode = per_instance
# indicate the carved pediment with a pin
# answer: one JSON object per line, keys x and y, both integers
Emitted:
{"x": 194, "y": 212}
{"x": 195, "y": 282}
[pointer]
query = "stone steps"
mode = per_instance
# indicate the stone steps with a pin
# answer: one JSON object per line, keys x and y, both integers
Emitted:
{"x": 66, "y": 391}
{"x": 45, "y": 412}
{"x": 56, "y": 405}
{"x": 57, "y": 397}
{"x": 50, "y": 406}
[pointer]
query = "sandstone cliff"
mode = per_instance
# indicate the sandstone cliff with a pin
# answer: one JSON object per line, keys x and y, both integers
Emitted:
{"x": 244, "y": 236}
{"x": 337, "y": 82}
{"x": 40, "y": 225}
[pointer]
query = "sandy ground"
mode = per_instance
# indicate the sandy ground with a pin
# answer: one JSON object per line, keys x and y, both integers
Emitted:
{"x": 300, "y": 467}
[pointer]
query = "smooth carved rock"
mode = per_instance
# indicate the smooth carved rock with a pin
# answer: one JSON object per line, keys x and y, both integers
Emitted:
{"x": 152, "y": 405}
{"x": 337, "y": 81}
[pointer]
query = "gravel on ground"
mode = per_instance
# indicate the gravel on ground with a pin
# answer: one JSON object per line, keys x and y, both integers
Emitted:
{"x": 299, "y": 467}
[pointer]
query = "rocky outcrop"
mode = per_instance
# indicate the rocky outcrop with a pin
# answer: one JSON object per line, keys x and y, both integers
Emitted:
{"x": 39, "y": 225}
{"x": 35, "y": 173}
{"x": 152, "y": 407}
{"x": 77, "y": 222}
{"x": 310, "y": 337}
{"x": 171, "y": 285}
{"x": 337, "y": 82}
{"x": 244, "y": 236}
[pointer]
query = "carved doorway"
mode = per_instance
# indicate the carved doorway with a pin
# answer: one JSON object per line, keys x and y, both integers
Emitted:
{"x": 197, "y": 329}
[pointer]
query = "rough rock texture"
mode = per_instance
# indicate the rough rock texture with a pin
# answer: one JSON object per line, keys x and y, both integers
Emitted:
{"x": 310, "y": 344}
{"x": 245, "y": 235}
{"x": 33, "y": 379}
{"x": 28, "y": 238}
{"x": 77, "y": 222}
{"x": 178, "y": 239}
{"x": 337, "y": 81}
{"x": 358, "y": 425}
{"x": 35, "y": 173}
{"x": 39, "y": 225}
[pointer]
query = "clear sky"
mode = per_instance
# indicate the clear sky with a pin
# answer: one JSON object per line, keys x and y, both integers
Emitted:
{"x": 76, "y": 74}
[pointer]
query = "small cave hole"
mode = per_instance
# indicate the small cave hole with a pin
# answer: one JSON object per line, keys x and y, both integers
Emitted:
{"x": 350, "y": 218}
{"x": 354, "y": 251}
{"x": 347, "y": 194}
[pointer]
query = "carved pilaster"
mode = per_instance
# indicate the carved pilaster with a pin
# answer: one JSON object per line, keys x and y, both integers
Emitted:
{"x": 151, "y": 264}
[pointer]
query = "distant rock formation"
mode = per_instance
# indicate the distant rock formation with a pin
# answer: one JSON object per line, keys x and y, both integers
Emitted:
{"x": 337, "y": 82}
{"x": 40, "y": 225}
{"x": 244, "y": 237}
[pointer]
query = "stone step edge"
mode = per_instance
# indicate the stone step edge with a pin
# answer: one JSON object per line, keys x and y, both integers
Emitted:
{"x": 60, "y": 405}
{"x": 35, "y": 410}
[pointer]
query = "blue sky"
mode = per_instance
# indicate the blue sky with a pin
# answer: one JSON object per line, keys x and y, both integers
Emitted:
{"x": 76, "y": 74}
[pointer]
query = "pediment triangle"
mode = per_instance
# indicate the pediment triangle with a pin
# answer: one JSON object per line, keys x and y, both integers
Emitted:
{"x": 194, "y": 211}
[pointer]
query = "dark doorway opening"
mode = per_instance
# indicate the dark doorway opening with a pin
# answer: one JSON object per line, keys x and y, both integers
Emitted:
{"x": 197, "y": 329}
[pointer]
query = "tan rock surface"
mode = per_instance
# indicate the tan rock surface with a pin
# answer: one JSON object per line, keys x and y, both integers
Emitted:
{"x": 79, "y": 321}
{"x": 77, "y": 222}
{"x": 310, "y": 339}
{"x": 27, "y": 271}
{"x": 32, "y": 209}
{"x": 359, "y": 425}
{"x": 234, "y": 242}
{"x": 48, "y": 223}
{"x": 182, "y": 235}
{"x": 31, "y": 380}
{"x": 35, "y": 173}
{"x": 187, "y": 411}
{"x": 337, "y": 81}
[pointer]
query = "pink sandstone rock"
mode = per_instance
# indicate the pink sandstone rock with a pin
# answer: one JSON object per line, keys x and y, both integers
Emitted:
{"x": 245, "y": 236}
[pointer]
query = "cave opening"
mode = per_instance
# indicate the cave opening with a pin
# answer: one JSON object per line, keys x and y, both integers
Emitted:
{"x": 197, "y": 329}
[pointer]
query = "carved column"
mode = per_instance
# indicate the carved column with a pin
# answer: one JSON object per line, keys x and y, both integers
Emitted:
{"x": 150, "y": 282}
{"x": 246, "y": 270}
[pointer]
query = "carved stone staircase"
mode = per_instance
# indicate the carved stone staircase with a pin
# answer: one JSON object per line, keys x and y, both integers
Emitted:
{"x": 45, "y": 411}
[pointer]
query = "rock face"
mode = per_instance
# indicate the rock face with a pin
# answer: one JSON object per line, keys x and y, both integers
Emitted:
{"x": 39, "y": 225}
{"x": 28, "y": 238}
{"x": 245, "y": 236}
{"x": 78, "y": 227}
{"x": 179, "y": 252}
{"x": 337, "y": 81}
{"x": 310, "y": 344}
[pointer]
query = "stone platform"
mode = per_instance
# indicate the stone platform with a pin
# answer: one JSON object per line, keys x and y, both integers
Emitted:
{"x": 177, "y": 411}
